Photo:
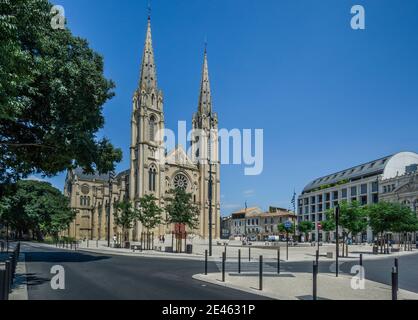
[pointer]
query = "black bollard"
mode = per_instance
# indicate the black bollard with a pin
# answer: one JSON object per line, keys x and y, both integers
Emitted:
{"x": 397, "y": 271}
{"x": 206, "y": 262}
{"x": 361, "y": 259}
{"x": 249, "y": 253}
{"x": 278, "y": 261}
{"x": 315, "y": 275}
{"x": 261, "y": 274}
{"x": 239, "y": 260}
{"x": 223, "y": 266}
{"x": 3, "y": 287}
{"x": 9, "y": 280}
{"x": 394, "y": 283}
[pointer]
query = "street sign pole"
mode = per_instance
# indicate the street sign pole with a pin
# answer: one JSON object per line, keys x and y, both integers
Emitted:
{"x": 337, "y": 248}
{"x": 287, "y": 245}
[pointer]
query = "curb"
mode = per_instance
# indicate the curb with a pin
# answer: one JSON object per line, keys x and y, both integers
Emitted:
{"x": 201, "y": 277}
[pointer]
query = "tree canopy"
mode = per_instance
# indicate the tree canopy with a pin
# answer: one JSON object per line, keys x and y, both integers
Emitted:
{"x": 149, "y": 213}
{"x": 36, "y": 207}
{"x": 52, "y": 94}
{"x": 395, "y": 217}
{"x": 181, "y": 209}
{"x": 353, "y": 217}
{"x": 305, "y": 226}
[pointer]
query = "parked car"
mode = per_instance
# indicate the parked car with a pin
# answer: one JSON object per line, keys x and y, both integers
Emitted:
{"x": 273, "y": 238}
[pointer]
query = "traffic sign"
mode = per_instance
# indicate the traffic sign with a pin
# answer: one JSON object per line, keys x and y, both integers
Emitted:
{"x": 319, "y": 226}
{"x": 288, "y": 224}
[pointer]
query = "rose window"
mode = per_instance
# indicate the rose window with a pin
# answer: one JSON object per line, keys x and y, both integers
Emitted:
{"x": 181, "y": 182}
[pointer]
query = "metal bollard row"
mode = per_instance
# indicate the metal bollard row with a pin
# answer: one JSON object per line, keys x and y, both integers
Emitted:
{"x": 8, "y": 274}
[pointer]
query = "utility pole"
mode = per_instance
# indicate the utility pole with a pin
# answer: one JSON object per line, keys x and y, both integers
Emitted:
{"x": 337, "y": 248}
{"x": 210, "y": 191}
{"x": 111, "y": 175}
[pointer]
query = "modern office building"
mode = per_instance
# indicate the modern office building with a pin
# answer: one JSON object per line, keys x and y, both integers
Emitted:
{"x": 366, "y": 183}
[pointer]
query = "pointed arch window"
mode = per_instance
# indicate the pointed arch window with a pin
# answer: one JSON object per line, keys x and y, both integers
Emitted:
{"x": 152, "y": 174}
{"x": 152, "y": 128}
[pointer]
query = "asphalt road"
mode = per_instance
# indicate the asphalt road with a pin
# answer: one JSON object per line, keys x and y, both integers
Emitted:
{"x": 96, "y": 277}
{"x": 90, "y": 276}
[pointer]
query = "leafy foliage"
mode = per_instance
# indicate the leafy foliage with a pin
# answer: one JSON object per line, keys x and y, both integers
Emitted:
{"x": 353, "y": 217}
{"x": 124, "y": 216}
{"x": 149, "y": 213}
{"x": 305, "y": 226}
{"x": 282, "y": 229}
{"x": 52, "y": 92}
{"x": 35, "y": 206}
{"x": 395, "y": 217}
{"x": 329, "y": 224}
{"x": 181, "y": 209}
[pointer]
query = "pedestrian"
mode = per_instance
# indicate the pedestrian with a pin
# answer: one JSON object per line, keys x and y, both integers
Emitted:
{"x": 163, "y": 238}
{"x": 114, "y": 241}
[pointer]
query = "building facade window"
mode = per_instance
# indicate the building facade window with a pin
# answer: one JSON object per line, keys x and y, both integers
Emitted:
{"x": 152, "y": 174}
{"x": 152, "y": 128}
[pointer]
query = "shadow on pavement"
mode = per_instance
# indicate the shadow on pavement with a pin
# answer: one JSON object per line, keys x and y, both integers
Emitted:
{"x": 33, "y": 280}
{"x": 62, "y": 257}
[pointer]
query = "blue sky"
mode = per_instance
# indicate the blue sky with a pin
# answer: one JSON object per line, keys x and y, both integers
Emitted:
{"x": 328, "y": 97}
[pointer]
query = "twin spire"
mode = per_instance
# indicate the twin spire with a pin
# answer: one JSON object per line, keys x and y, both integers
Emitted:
{"x": 205, "y": 98}
{"x": 148, "y": 77}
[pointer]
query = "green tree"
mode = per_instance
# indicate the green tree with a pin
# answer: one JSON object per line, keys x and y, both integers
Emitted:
{"x": 328, "y": 225}
{"x": 353, "y": 220}
{"x": 52, "y": 95}
{"x": 391, "y": 217}
{"x": 282, "y": 229}
{"x": 149, "y": 213}
{"x": 35, "y": 207}
{"x": 124, "y": 217}
{"x": 181, "y": 210}
{"x": 305, "y": 227}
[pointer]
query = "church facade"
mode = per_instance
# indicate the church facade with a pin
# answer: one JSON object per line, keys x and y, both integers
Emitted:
{"x": 153, "y": 170}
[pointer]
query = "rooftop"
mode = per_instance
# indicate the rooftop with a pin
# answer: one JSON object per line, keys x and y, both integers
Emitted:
{"x": 389, "y": 166}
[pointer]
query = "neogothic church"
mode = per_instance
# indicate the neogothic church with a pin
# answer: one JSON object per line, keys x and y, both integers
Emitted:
{"x": 153, "y": 170}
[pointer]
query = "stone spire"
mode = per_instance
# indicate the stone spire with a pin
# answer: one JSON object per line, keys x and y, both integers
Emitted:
{"x": 148, "y": 77}
{"x": 205, "y": 99}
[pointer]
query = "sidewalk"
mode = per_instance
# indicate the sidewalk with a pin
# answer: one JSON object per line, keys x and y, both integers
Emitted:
{"x": 269, "y": 253}
{"x": 298, "y": 286}
{"x": 19, "y": 287}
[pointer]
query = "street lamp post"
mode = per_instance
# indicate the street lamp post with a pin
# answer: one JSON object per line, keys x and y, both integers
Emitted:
{"x": 210, "y": 207}
{"x": 210, "y": 191}
{"x": 337, "y": 218}
{"x": 111, "y": 174}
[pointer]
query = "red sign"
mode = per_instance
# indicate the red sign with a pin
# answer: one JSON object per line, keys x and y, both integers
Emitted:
{"x": 180, "y": 230}
{"x": 319, "y": 225}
